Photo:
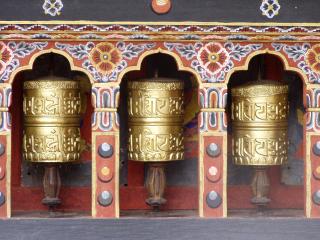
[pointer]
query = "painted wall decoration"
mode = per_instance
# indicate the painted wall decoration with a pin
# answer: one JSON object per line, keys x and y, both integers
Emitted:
{"x": 105, "y": 61}
{"x": 12, "y": 53}
{"x": 270, "y": 8}
{"x": 210, "y": 52}
{"x": 52, "y": 7}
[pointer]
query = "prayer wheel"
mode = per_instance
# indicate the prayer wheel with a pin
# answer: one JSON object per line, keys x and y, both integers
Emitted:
{"x": 155, "y": 133}
{"x": 52, "y": 108}
{"x": 259, "y": 114}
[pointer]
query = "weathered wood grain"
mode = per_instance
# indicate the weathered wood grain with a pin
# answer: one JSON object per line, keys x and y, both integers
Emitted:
{"x": 160, "y": 229}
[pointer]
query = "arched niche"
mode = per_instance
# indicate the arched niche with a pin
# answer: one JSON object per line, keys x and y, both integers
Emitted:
{"x": 26, "y": 180}
{"x": 286, "y": 190}
{"x": 182, "y": 176}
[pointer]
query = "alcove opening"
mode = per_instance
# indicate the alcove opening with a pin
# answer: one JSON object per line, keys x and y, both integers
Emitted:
{"x": 286, "y": 182}
{"x": 182, "y": 176}
{"x": 26, "y": 178}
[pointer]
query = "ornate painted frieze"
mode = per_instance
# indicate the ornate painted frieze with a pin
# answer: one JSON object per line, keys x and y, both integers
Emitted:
{"x": 302, "y": 56}
{"x": 105, "y": 96}
{"x": 105, "y": 121}
{"x": 12, "y": 53}
{"x": 213, "y": 97}
{"x": 105, "y": 61}
{"x": 105, "y": 101}
{"x": 173, "y": 32}
{"x": 213, "y": 61}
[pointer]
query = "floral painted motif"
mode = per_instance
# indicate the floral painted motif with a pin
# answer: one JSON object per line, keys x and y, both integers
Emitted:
{"x": 270, "y": 8}
{"x": 105, "y": 57}
{"x": 6, "y": 56}
{"x": 304, "y": 56}
{"x": 213, "y": 61}
{"x": 213, "y": 57}
{"x": 52, "y": 7}
{"x": 17, "y": 51}
{"x": 105, "y": 61}
{"x": 313, "y": 58}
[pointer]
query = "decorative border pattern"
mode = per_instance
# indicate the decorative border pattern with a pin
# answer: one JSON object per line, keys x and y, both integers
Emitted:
{"x": 213, "y": 97}
{"x": 105, "y": 121}
{"x": 176, "y": 32}
{"x": 105, "y": 96}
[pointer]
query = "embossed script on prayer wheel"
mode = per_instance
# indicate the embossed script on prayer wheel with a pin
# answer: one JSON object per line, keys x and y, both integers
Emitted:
{"x": 51, "y": 109}
{"x": 156, "y": 110}
{"x": 260, "y": 123}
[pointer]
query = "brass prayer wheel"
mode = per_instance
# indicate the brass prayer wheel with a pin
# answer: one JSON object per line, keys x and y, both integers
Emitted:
{"x": 155, "y": 132}
{"x": 259, "y": 114}
{"x": 52, "y": 108}
{"x": 155, "y": 109}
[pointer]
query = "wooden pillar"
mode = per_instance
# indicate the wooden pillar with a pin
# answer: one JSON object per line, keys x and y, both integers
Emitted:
{"x": 105, "y": 153}
{"x": 312, "y": 162}
{"x": 213, "y": 153}
{"x": 5, "y": 152}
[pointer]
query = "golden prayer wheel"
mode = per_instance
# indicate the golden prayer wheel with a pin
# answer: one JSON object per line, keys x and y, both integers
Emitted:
{"x": 156, "y": 112}
{"x": 259, "y": 114}
{"x": 155, "y": 133}
{"x": 52, "y": 108}
{"x": 260, "y": 123}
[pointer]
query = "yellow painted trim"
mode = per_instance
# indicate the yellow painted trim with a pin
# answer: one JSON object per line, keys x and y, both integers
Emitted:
{"x": 93, "y": 177}
{"x": 161, "y": 39}
{"x": 225, "y": 175}
{"x": 312, "y": 86}
{"x": 105, "y": 110}
{"x": 51, "y": 50}
{"x": 217, "y": 85}
{"x": 154, "y": 33}
{"x": 5, "y": 85}
{"x": 116, "y": 173}
{"x": 4, "y": 109}
{"x": 201, "y": 176}
{"x": 313, "y": 109}
{"x": 308, "y": 165}
{"x": 105, "y": 84}
{"x": 212, "y": 110}
{"x": 182, "y": 23}
{"x": 8, "y": 172}
{"x": 245, "y": 66}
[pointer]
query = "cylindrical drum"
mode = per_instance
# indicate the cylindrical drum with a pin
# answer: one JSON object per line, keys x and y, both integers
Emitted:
{"x": 259, "y": 114}
{"x": 51, "y": 109}
{"x": 155, "y": 109}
